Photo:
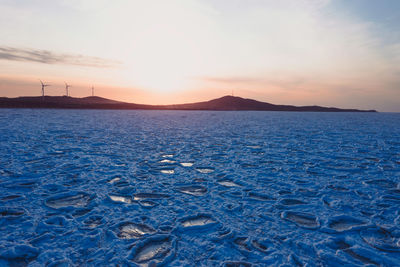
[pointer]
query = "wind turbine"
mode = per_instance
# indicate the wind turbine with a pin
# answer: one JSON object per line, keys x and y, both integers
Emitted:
{"x": 92, "y": 90}
{"x": 43, "y": 86}
{"x": 66, "y": 88}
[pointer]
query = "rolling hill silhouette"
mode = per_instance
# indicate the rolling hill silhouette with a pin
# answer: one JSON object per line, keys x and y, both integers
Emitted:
{"x": 95, "y": 102}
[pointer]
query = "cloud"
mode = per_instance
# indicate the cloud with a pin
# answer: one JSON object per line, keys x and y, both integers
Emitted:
{"x": 49, "y": 57}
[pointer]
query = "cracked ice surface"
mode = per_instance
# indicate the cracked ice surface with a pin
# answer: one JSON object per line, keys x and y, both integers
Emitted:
{"x": 199, "y": 188}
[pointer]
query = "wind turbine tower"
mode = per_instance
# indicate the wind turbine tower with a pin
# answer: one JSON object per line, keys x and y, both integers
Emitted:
{"x": 43, "y": 86}
{"x": 92, "y": 90}
{"x": 67, "y": 86}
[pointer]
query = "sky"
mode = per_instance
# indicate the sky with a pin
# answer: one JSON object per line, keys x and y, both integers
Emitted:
{"x": 342, "y": 53}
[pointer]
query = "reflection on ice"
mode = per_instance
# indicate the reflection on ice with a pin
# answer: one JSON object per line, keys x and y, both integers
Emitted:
{"x": 154, "y": 250}
{"x": 147, "y": 203}
{"x": 228, "y": 183}
{"x": 205, "y": 170}
{"x": 167, "y": 161}
{"x": 114, "y": 180}
{"x": 121, "y": 199}
{"x": 200, "y": 220}
{"x": 253, "y": 146}
{"x": 93, "y": 221}
{"x": 140, "y": 196}
{"x": 167, "y": 171}
{"x": 187, "y": 164}
{"x": 134, "y": 230}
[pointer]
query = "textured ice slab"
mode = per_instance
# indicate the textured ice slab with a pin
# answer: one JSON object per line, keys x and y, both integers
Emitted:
{"x": 114, "y": 180}
{"x": 302, "y": 219}
{"x": 121, "y": 199}
{"x": 157, "y": 250}
{"x": 291, "y": 201}
{"x": 167, "y": 171}
{"x": 147, "y": 203}
{"x": 197, "y": 188}
{"x": 167, "y": 161}
{"x": 11, "y": 212}
{"x": 134, "y": 230}
{"x": 73, "y": 199}
{"x": 382, "y": 239}
{"x": 140, "y": 196}
{"x": 200, "y": 220}
{"x": 187, "y": 164}
{"x": 344, "y": 223}
{"x": 228, "y": 183}
{"x": 204, "y": 170}
{"x": 93, "y": 222}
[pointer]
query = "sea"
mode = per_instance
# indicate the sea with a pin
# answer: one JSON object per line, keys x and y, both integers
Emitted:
{"x": 199, "y": 188}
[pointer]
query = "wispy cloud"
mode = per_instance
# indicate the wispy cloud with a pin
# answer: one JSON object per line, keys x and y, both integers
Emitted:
{"x": 49, "y": 57}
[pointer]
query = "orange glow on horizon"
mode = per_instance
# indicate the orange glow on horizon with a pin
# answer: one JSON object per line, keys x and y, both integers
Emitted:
{"x": 167, "y": 52}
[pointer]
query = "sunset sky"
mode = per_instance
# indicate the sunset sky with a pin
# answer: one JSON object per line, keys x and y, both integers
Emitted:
{"x": 343, "y": 53}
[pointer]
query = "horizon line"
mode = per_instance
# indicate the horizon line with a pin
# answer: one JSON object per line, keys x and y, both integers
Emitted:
{"x": 205, "y": 101}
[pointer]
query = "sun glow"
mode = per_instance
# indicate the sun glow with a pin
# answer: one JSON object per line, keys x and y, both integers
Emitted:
{"x": 294, "y": 52}
{"x": 167, "y": 56}
{"x": 160, "y": 67}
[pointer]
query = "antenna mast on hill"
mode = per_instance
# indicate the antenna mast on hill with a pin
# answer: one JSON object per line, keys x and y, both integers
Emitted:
{"x": 66, "y": 88}
{"x": 43, "y": 86}
{"x": 92, "y": 90}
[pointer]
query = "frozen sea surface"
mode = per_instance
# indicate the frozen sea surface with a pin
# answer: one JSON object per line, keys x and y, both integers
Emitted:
{"x": 181, "y": 188}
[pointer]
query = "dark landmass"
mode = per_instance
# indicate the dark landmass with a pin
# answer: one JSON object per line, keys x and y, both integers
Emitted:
{"x": 95, "y": 102}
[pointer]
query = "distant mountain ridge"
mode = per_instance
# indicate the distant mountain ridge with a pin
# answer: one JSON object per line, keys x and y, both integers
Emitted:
{"x": 94, "y": 102}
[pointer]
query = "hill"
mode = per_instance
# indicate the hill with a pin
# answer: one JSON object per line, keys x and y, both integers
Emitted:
{"x": 94, "y": 102}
